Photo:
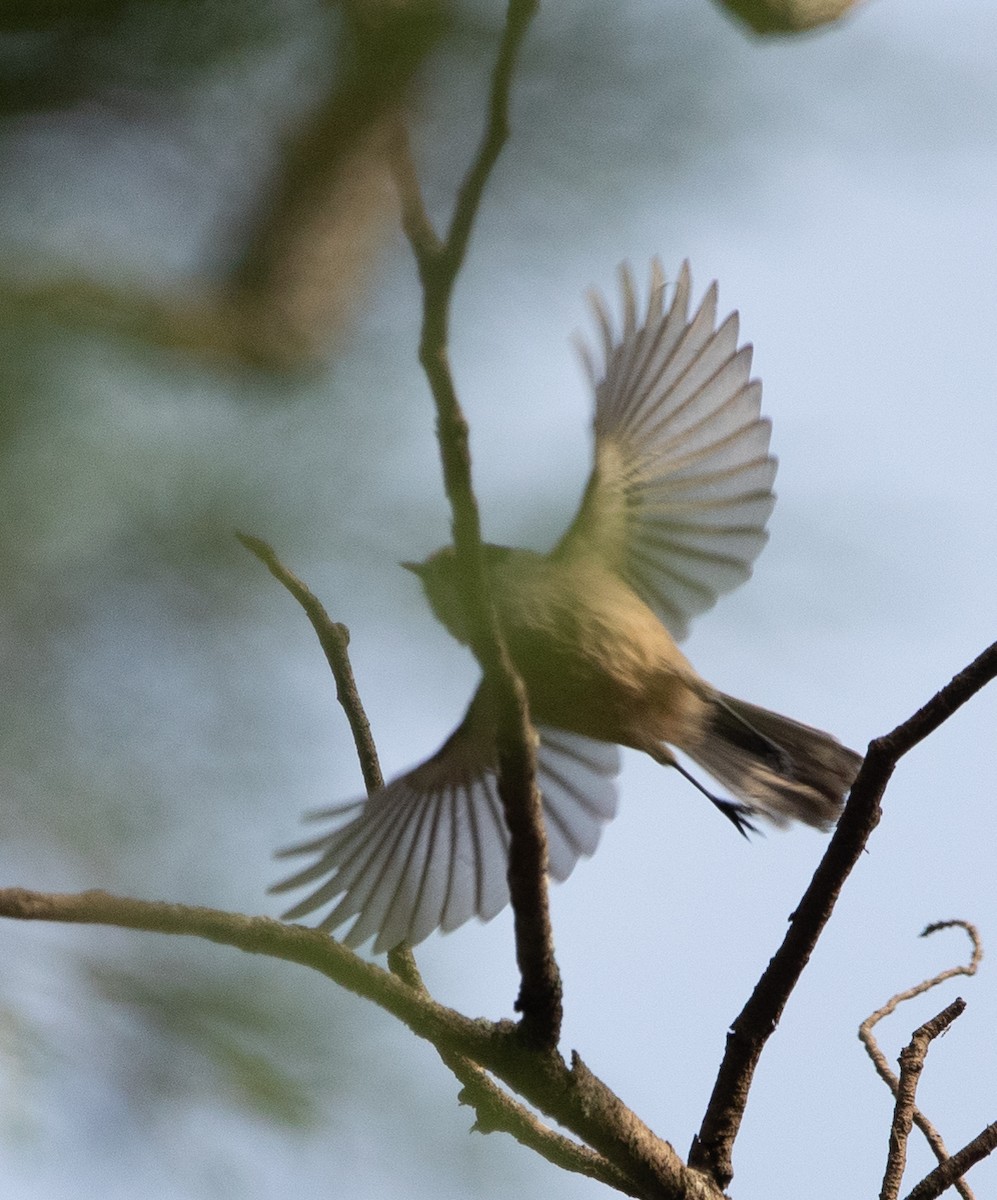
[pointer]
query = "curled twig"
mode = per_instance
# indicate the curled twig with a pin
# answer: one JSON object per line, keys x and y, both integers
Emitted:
{"x": 879, "y": 1061}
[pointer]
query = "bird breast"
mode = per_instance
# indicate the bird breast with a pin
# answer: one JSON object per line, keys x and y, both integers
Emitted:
{"x": 593, "y": 656}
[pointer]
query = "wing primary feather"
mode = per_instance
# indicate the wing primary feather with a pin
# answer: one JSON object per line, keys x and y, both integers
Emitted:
{"x": 673, "y": 388}
{"x": 367, "y": 885}
{"x": 346, "y": 859}
{"x": 629, "y": 289}
{"x": 400, "y": 918}
{"x": 628, "y": 364}
{"x": 494, "y": 892}
{"x": 617, "y": 399}
{"x": 604, "y": 323}
{"x": 701, "y": 402}
{"x": 371, "y": 893}
{"x": 588, "y": 362}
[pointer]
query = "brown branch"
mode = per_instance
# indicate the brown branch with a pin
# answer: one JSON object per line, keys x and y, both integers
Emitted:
{"x": 572, "y": 1096}
{"x": 497, "y": 1111}
{"x": 334, "y": 638}
{"x": 882, "y": 1067}
{"x": 439, "y": 262}
{"x": 319, "y": 220}
{"x": 327, "y": 210}
{"x": 519, "y": 15}
{"x": 712, "y": 1148}
{"x": 911, "y": 1065}
{"x": 943, "y": 1176}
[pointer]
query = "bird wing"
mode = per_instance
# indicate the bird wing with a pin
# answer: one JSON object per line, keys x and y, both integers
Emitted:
{"x": 430, "y": 849}
{"x": 681, "y": 487}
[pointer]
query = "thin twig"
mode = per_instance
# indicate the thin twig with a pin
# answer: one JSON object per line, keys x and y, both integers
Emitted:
{"x": 439, "y": 262}
{"x": 334, "y": 638}
{"x": 943, "y": 1176}
{"x": 911, "y": 1065}
{"x": 497, "y": 1111}
{"x": 572, "y": 1096}
{"x": 519, "y": 15}
{"x": 932, "y": 1136}
{"x": 713, "y": 1145}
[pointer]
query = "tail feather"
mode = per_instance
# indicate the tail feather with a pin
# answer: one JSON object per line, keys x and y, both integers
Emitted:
{"x": 781, "y": 768}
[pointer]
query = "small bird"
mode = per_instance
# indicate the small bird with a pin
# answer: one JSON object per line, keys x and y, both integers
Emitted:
{"x": 673, "y": 516}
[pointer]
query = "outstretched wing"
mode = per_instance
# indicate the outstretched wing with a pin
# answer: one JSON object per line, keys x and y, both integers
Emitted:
{"x": 430, "y": 850}
{"x": 681, "y": 488}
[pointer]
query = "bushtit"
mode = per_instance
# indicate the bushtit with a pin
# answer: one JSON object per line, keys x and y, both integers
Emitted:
{"x": 673, "y": 516}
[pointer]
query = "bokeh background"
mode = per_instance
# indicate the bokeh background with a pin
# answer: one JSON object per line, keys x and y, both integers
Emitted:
{"x": 208, "y": 322}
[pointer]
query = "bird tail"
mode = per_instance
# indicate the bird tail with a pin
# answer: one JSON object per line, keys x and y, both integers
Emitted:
{"x": 777, "y": 766}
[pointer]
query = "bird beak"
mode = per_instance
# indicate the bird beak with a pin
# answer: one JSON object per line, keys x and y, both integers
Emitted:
{"x": 414, "y": 567}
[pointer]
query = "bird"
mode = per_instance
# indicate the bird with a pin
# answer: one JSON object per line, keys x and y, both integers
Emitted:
{"x": 673, "y": 516}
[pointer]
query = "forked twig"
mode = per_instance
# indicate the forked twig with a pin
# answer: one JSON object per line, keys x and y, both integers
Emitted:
{"x": 496, "y": 1109}
{"x": 879, "y": 1061}
{"x": 571, "y": 1095}
{"x": 439, "y": 260}
{"x": 713, "y": 1145}
{"x": 334, "y": 639}
{"x": 911, "y": 1065}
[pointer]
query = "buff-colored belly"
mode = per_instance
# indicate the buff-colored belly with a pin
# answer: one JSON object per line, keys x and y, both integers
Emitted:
{"x": 600, "y": 663}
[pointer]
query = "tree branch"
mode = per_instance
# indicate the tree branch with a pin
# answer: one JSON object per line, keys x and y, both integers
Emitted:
{"x": 519, "y": 15}
{"x": 943, "y": 1176}
{"x": 931, "y": 1134}
{"x": 911, "y": 1065}
{"x": 318, "y": 222}
{"x": 334, "y": 638}
{"x": 439, "y": 262}
{"x": 497, "y": 1111}
{"x": 712, "y": 1148}
{"x": 572, "y": 1096}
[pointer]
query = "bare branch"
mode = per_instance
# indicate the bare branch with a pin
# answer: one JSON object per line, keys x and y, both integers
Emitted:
{"x": 331, "y": 204}
{"x": 940, "y": 707}
{"x": 911, "y": 1064}
{"x": 931, "y": 1134}
{"x": 497, "y": 1111}
{"x": 320, "y": 219}
{"x": 712, "y": 1147}
{"x": 947, "y": 1173}
{"x": 520, "y": 14}
{"x": 439, "y": 263}
{"x": 334, "y": 639}
{"x": 574, "y": 1097}
{"x": 419, "y": 230}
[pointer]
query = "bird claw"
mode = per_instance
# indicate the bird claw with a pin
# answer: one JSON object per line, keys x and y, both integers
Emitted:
{"x": 738, "y": 815}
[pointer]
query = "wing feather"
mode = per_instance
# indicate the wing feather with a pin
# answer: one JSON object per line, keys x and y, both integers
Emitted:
{"x": 681, "y": 489}
{"x": 430, "y": 850}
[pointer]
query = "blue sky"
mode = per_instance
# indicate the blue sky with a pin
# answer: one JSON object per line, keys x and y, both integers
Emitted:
{"x": 843, "y": 189}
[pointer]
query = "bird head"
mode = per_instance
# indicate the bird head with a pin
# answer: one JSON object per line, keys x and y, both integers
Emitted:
{"x": 439, "y": 579}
